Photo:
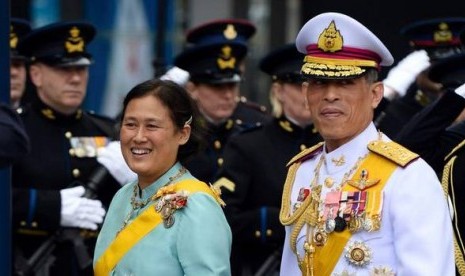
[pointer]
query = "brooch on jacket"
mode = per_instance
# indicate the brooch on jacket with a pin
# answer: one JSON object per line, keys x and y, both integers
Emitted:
{"x": 168, "y": 202}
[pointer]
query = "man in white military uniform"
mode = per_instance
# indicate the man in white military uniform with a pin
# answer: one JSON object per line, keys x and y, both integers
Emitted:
{"x": 357, "y": 203}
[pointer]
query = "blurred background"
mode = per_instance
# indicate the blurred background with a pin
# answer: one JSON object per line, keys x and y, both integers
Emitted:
{"x": 138, "y": 39}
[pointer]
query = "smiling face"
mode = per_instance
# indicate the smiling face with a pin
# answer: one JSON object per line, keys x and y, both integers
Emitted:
{"x": 342, "y": 109}
{"x": 149, "y": 138}
{"x": 62, "y": 88}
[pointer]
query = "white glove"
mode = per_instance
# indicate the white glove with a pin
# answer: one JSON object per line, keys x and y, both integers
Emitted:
{"x": 78, "y": 211}
{"x": 176, "y": 75}
{"x": 112, "y": 158}
{"x": 404, "y": 73}
{"x": 460, "y": 90}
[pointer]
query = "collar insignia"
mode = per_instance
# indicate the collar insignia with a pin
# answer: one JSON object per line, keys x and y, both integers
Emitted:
{"x": 48, "y": 113}
{"x": 286, "y": 125}
{"x": 339, "y": 161}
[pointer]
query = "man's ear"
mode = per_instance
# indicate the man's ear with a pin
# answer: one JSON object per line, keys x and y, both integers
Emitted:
{"x": 377, "y": 90}
{"x": 35, "y": 75}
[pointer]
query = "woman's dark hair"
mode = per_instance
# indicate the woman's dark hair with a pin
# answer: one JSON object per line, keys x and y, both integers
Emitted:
{"x": 181, "y": 107}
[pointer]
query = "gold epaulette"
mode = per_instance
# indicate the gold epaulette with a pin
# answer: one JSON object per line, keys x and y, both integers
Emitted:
{"x": 305, "y": 153}
{"x": 393, "y": 151}
{"x": 454, "y": 150}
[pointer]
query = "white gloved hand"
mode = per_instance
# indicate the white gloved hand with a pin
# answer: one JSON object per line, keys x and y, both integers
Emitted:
{"x": 460, "y": 90}
{"x": 78, "y": 211}
{"x": 112, "y": 158}
{"x": 404, "y": 73}
{"x": 176, "y": 75}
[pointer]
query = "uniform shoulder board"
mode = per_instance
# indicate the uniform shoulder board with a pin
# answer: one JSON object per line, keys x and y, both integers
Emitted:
{"x": 253, "y": 105}
{"x": 393, "y": 151}
{"x": 100, "y": 116}
{"x": 460, "y": 146}
{"x": 306, "y": 154}
{"x": 250, "y": 127}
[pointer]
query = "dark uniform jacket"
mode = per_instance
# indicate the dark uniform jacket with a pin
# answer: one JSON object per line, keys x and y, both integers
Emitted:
{"x": 14, "y": 142}
{"x": 255, "y": 162}
{"x": 399, "y": 111}
{"x": 250, "y": 114}
{"x": 426, "y": 133}
{"x": 205, "y": 164}
{"x": 53, "y": 164}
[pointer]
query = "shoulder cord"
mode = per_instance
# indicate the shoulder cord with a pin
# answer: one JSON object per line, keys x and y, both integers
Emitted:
{"x": 458, "y": 244}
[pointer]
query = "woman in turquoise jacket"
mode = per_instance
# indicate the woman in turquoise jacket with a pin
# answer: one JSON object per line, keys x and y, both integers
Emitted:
{"x": 166, "y": 222}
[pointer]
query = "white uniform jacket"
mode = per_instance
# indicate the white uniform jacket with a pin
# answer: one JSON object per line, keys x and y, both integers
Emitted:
{"x": 415, "y": 237}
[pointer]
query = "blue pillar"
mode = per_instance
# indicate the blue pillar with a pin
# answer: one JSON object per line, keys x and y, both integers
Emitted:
{"x": 44, "y": 12}
{"x": 5, "y": 188}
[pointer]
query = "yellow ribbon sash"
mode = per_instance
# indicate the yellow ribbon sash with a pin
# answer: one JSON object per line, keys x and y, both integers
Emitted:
{"x": 327, "y": 256}
{"x": 141, "y": 226}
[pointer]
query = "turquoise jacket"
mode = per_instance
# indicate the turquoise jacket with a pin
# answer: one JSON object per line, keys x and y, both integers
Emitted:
{"x": 198, "y": 243}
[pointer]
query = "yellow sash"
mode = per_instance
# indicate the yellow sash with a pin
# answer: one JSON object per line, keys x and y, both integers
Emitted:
{"x": 141, "y": 226}
{"x": 326, "y": 256}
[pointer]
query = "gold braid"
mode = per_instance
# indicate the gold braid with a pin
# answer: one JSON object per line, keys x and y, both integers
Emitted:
{"x": 458, "y": 244}
{"x": 285, "y": 215}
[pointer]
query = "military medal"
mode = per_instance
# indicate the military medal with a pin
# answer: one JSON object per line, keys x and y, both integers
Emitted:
{"x": 331, "y": 207}
{"x": 303, "y": 193}
{"x": 339, "y": 224}
{"x": 367, "y": 224}
{"x": 168, "y": 222}
{"x": 320, "y": 237}
{"x": 87, "y": 146}
{"x": 385, "y": 271}
{"x": 372, "y": 215}
{"x": 358, "y": 253}
{"x": 355, "y": 223}
{"x": 330, "y": 225}
{"x": 329, "y": 182}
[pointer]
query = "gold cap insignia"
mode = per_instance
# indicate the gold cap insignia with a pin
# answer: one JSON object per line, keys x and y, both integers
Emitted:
{"x": 74, "y": 43}
{"x": 230, "y": 32}
{"x": 226, "y": 60}
{"x": 13, "y": 38}
{"x": 330, "y": 40}
{"x": 443, "y": 34}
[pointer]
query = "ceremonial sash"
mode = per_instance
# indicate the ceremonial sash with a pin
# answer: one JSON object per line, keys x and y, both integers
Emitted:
{"x": 327, "y": 256}
{"x": 141, "y": 226}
